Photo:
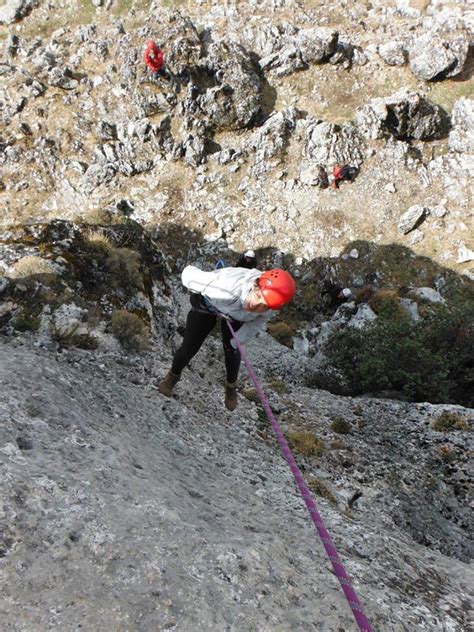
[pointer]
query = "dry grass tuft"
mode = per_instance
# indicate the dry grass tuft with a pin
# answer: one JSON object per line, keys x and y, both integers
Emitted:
{"x": 305, "y": 442}
{"x": 98, "y": 217}
{"x": 130, "y": 331}
{"x": 450, "y": 421}
{"x": 99, "y": 239}
{"x": 282, "y": 332}
{"x": 318, "y": 487}
{"x": 32, "y": 265}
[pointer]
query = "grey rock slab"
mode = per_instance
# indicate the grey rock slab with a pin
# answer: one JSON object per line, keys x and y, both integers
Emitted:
{"x": 465, "y": 254}
{"x": 363, "y": 317}
{"x": 307, "y": 46}
{"x": 317, "y": 44}
{"x": 461, "y": 137}
{"x": 313, "y": 174}
{"x": 272, "y": 138}
{"x": 411, "y": 307}
{"x": 412, "y": 218}
{"x": 175, "y": 513}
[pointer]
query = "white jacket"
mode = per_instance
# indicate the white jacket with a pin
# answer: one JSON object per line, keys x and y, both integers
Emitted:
{"x": 226, "y": 289}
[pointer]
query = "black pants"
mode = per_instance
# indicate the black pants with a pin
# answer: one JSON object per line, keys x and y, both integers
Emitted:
{"x": 198, "y": 326}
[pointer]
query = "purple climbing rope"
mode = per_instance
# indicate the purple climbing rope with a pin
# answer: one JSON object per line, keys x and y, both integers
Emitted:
{"x": 339, "y": 569}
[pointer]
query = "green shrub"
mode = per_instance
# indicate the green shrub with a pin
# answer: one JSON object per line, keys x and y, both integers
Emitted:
{"x": 130, "y": 331}
{"x": 341, "y": 426}
{"x": 124, "y": 265}
{"x": 449, "y": 421}
{"x": 25, "y": 320}
{"x": 386, "y": 304}
{"x": 431, "y": 359}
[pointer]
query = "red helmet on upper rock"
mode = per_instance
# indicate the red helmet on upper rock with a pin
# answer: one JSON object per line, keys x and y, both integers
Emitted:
{"x": 277, "y": 287}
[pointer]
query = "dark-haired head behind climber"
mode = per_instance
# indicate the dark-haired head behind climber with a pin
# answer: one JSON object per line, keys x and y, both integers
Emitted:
{"x": 247, "y": 260}
{"x": 247, "y": 298}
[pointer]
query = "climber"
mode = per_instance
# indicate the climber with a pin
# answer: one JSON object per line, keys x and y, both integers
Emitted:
{"x": 153, "y": 56}
{"x": 154, "y": 59}
{"x": 247, "y": 260}
{"x": 343, "y": 172}
{"x": 333, "y": 294}
{"x": 247, "y": 298}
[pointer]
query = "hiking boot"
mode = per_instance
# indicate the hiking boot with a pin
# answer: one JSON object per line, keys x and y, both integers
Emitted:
{"x": 167, "y": 385}
{"x": 230, "y": 400}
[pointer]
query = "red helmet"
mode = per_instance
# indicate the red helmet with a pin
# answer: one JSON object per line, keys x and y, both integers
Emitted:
{"x": 278, "y": 288}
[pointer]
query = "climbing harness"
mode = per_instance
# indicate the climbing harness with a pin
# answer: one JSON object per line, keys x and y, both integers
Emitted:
{"x": 339, "y": 569}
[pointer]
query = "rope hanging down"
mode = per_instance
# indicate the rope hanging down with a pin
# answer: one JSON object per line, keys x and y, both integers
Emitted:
{"x": 339, "y": 569}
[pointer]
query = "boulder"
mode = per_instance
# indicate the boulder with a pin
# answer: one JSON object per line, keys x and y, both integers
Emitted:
{"x": 412, "y": 218}
{"x": 428, "y": 294}
{"x": 330, "y": 144}
{"x": 411, "y": 308}
{"x": 97, "y": 174}
{"x": 307, "y": 46}
{"x": 14, "y": 10}
{"x": 363, "y": 317}
{"x": 185, "y": 47}
{"x": 225, "y": 91}
{"x": 61, "y": 77}
{"x": 316, "y": 45}
{"x": 464, "y": 254}
{"x": 272, "y": 138}
{"x": 461, "y": 137}
{"x": 393, "y": 53}
{"x": 268, "y": 38}
{"x": 313, "y": 174}
{"x": 194, "y": 149}
{"x": 433, "y": 58}
{"x": 405, "y": 116}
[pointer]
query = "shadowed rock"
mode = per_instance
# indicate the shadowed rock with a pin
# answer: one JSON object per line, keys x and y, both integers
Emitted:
{"x": 404, "y": 115}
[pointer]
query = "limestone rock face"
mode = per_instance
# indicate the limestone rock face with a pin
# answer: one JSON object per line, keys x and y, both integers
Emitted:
{"x": 192, "y": 516}
{"x": 236, "y": 99}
